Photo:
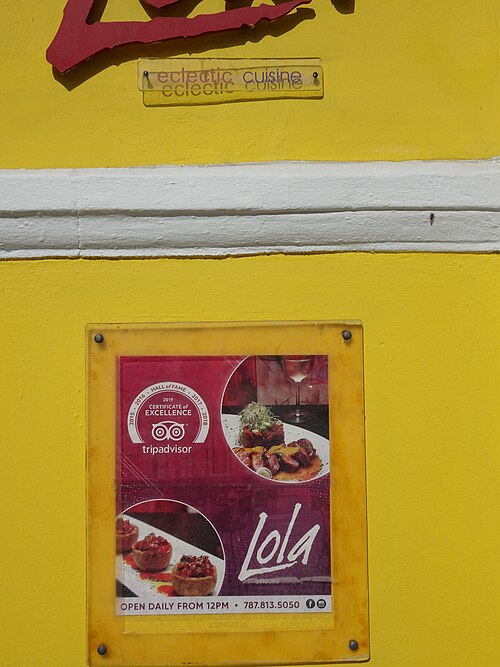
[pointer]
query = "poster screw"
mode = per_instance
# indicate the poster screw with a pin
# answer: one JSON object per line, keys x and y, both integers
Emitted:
{"x": 346, "y": 335}
{"x": 99, "y": 338}
{"x": 102, "y": 649}
{"x": 353, "y": 645}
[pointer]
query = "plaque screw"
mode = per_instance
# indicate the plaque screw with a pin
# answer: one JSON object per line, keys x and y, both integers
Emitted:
{"x": 146, "y": 73}
{"x": 346, "y": 335}
{"x": 353, "y": 645}
{"x": 102, "y": 649}
{"x": 99, "y": 338}
{"x": 315, "y": 75}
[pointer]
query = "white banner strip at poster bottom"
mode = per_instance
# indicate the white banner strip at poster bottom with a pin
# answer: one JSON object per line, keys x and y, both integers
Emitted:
{"x": 224, "y": 605}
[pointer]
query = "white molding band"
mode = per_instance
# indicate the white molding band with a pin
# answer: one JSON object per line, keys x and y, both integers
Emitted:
{"x": 294, "y": 207}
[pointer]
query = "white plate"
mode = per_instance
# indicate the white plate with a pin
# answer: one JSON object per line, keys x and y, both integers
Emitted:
{"x": 231, "y": 428}
{"x": 142, "y": 587}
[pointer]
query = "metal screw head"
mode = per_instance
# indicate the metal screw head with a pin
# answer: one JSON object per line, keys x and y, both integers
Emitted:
{"x": 101, "y": 649}
{"x": 99, "y": 338}
{"x": 315, "y": 75}
{"x": 353, "y": 645}
{"x": 146, "y": 73}
{"x": 346, "y": 335}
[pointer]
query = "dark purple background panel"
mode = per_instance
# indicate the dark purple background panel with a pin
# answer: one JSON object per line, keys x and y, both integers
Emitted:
{"x": 217, "y": 484}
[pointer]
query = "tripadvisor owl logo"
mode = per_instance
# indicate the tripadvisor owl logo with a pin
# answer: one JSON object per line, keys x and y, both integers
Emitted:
{"x": 168, "y": 418}
{"x": 169, "y": 430}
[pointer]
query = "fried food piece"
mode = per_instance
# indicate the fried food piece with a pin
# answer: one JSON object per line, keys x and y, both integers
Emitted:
{"x": 286, "y": 450}
{"x": 303, "y": 458}
{"x": 272, "y": 462}
{"x": 244, "y": 457}
{"x": 259, "y": 466}
{"x": 288, "y": 463}
{"x": 307, "y": 445}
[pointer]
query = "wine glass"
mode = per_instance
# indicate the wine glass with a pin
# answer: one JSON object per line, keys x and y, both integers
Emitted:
{"x": 297, "y": 367}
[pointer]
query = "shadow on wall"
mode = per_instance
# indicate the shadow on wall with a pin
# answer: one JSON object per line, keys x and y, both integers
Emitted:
{"x": 344, "y": 6}
{"x": 190, "y": 46}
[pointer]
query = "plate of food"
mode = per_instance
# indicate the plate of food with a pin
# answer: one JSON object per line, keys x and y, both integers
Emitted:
{"x": 273, "y": 449}
{"x": 159, "y": 564}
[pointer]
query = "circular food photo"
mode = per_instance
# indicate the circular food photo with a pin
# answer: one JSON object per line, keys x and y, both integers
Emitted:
{"x": 274, "y": 415}
{"x": 176, "y": 551}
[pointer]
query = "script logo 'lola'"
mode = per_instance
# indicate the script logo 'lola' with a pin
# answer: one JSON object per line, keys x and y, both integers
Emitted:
{"x": 78, "y": 40}
{"x": 276, "y": 546}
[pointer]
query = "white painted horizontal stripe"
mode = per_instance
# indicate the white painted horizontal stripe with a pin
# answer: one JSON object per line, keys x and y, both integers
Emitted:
{"x": 251, "y": 209}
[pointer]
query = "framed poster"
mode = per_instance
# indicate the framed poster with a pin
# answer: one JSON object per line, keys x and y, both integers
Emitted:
{"x": 226, "y": 494}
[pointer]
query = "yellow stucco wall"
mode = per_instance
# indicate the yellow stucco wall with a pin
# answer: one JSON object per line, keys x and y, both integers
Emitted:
{"x": 431, "y": 380}
{"x": 406, "y": 80}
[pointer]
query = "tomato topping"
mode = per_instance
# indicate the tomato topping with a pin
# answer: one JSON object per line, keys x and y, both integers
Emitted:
{"x": 124, "y": 527}
{"x": 154, "y": 544}
{"x": 195, "y": 567}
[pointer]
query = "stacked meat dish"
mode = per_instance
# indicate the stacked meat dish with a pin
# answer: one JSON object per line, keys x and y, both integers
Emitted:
{"x": 262, "y": 444}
